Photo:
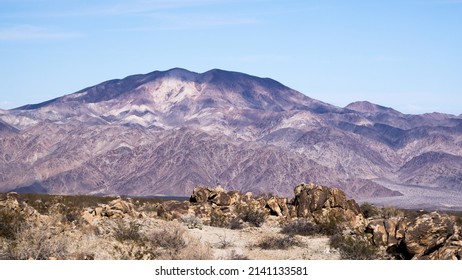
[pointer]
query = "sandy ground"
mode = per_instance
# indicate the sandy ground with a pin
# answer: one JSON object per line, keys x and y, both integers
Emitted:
{"x": 242, "y": 242}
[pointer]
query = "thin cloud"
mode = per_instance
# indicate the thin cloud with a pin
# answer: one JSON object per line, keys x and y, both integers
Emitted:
{"x": 113, "y": 8}
{"x": 32, "y": 32}
{"x": 186, "y": 22}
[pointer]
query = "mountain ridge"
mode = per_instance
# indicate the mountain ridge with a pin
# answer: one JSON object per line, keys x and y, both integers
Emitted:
{"x": 247, "y": 133}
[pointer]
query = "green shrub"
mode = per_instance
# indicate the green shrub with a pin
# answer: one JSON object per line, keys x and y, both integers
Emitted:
{"x": 331, "y": 225}
{"x": 369, "y": 210}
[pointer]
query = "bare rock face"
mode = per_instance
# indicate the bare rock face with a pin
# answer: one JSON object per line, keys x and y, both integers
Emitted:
{"x": 429, "y": 236}
{"x": 428, "y": 233}
{"x": 323, "y": 204}
{"x": 278, "y": 206}
{"x": 117, "y": 208}
{"x": 319, "y": 204}
{"x": 173, "y": 209}
{"x": 387, "y": 232}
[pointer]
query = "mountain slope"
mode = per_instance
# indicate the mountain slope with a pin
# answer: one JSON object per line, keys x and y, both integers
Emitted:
{"x": 167, "y": 131}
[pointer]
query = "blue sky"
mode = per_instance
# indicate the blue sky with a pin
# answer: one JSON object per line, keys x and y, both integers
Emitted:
{"x": 403, "y": 54}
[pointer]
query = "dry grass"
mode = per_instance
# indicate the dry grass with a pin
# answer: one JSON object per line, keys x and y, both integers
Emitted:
{"x": 300, "y": 227}
{"x": 11, "y": 223}
{"x": 271, "y": 242}
{"x": 354, "y": 247}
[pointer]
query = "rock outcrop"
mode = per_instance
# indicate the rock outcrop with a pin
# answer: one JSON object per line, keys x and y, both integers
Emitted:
{"x": 319, "y": 204}
{"x": 432, "y": 236}
{"x": 323, "y": 205}
{"x": 428, "y": 236}
{"x": 117, "y": 208}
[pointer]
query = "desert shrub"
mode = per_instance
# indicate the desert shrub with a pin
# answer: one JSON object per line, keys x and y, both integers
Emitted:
{"x": 10, "y": 223}
{"x": 40, "y": 243}
{"x": 254, "y": 217}
{"x": 233, "y": 255}
{"x": 300, "y": 227}
{"x": 353, "y": 248}
{"x": 331, "y": 225}
{"x": 134, "y": 251}
{"x": 169, "y": 238}
{"x": 192, "y": 222}
{"x": 127, "y": 231}
{"x": 369, "y": 210}
{"x": 236, "y": 223}
{"x": 224, "y": 242}
{"x": 218, "y": 219}
{"x": 278, "y": 242}
{"x": 175, "y": 244}
{"x": 193, "y": 249}
{"x": 389, "y": 212}
{"x": 458, "y": 219}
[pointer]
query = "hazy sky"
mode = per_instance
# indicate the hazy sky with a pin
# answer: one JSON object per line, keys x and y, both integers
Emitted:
{"x": 403, "y": 54}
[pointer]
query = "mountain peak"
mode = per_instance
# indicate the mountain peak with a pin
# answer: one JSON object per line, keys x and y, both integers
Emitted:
{"x": 368, "y": 107}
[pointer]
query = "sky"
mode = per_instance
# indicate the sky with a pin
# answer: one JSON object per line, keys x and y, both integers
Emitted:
{"x": 404, "y": 54}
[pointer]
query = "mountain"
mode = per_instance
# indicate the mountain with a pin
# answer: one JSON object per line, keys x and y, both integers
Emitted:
{"x": 165, "y": 132}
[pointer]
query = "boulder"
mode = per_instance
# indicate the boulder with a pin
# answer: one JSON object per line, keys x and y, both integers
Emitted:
{"x": 387, "y": 232}
{"x": 273, "y": 205}
{"x": 200, "y": 195}
{"x": 220, "y": 198}
{"x": 325, "y": 205}
{"x": 172, "y": 209}
{"x": 428, "y": 233}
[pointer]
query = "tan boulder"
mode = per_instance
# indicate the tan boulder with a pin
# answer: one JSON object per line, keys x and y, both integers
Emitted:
{"x": 273, "y": 205}
{"x": 200, "y": 195}
{"x": 173, "y": 209}
{"x": 220, "y": 198}
{"x": 326, "y": 205}
{"x": 427, "y": 233}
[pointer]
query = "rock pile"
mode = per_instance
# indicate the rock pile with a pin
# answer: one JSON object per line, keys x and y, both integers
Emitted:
{"x": 429, "y": 236}
{"x": 117, "y": 208}
{"x": 316, "y": 203}
{"x": 323, "y": 204}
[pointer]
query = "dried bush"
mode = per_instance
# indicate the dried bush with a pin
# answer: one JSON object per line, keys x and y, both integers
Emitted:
{"x": 124, "y": 231}
{"x": 369, "y": 211}
{"x": 40, "y": 243}
{"x": 11, "y": 223}
{"x": 331, "y": 225}
{"x": 194, "y": 249}
{"x": 170, "y": 238}
{"x": 353, "y": 248}
{"x": 254, "y": 217}
{"x": 300, "y": 227}
{"x": 192, "y": 222}
{"x": 389, "y": 212}
{"x": 217, "y": 219}
{"x": 224, "y": 242}
{"x": 278, "y": 242}
{"x": 233, "y": 255}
